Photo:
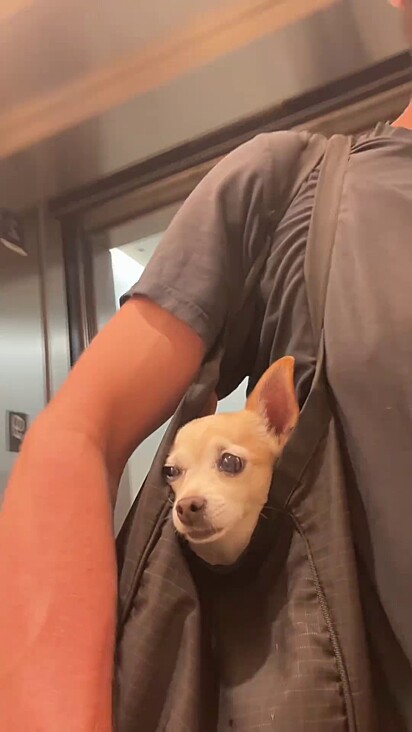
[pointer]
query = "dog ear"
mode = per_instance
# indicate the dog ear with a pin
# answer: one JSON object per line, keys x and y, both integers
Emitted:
{"x": 274, "y": 397}
{"x": 210, "y": 406}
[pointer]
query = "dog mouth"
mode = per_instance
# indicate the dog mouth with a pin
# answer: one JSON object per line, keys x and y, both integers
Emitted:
{"x": 203, "y": 535}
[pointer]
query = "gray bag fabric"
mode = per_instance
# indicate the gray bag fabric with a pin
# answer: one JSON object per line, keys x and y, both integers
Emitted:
{"x": 277, "y": 641}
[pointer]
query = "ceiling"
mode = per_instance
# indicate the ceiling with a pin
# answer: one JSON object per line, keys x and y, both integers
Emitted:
{"x": 69, "y": 61}
{"x": 50, "y": 47}
{"x": 47, "y": 43}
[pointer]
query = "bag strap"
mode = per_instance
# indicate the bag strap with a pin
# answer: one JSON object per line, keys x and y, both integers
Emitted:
{"x": 316, "y": 413}
{"x": 322, "y": 229}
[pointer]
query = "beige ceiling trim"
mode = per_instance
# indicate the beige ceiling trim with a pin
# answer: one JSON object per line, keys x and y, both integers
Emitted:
{"x": 212, "y": 35}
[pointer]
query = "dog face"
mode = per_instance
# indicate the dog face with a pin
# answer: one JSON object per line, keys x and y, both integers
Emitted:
{"x": 220, "y": 467}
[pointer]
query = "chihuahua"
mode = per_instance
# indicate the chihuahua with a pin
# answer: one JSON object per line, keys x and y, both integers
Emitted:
{"x": 220, "y": 467}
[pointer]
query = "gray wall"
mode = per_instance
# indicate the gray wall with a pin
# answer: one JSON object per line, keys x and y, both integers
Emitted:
{"x": 21, "y": 342}
{"x": 22, "y": 334}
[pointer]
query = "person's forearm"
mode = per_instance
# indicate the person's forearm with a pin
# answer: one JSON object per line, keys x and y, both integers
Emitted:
{"x": 130, "y": 380}
{"x": 58, "y": 589}
{"x": 57, "y": 558}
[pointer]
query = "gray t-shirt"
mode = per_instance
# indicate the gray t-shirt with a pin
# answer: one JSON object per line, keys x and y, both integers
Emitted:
{"x": 199, "y": 272}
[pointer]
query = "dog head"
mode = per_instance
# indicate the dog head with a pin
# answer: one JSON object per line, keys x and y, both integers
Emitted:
{"x": 220, "y": 467}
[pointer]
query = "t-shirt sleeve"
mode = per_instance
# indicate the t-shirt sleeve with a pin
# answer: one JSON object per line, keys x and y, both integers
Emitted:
{"x": 201, "y": 266}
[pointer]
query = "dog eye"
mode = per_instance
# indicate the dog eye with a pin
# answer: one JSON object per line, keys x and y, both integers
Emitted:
{"x": 170, "y": 473}
{"x": 231, "y": 464}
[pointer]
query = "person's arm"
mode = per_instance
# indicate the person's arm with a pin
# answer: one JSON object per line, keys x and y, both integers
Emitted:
{"x": 57, "y": 563}
{"x": 57, "y": 557}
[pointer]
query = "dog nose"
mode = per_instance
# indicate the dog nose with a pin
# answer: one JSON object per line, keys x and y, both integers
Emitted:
{"x": 191, "y": 510}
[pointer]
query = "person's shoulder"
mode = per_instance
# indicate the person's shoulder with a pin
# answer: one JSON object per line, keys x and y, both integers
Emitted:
{"x": 262, "y": 173}
{"x": 281, "y": 139}
{"x": 269, "y": 151}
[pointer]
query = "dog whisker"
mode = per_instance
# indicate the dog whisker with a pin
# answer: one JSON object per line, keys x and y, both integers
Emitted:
{"x": 211, "y": 526}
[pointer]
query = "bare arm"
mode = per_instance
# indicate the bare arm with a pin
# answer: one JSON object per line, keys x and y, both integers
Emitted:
{"x": 130, "y": 380}
{"x": 57, "y": 559}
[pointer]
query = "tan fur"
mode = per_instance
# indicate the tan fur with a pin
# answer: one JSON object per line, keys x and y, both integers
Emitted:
{"x": 233, "y": 502}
